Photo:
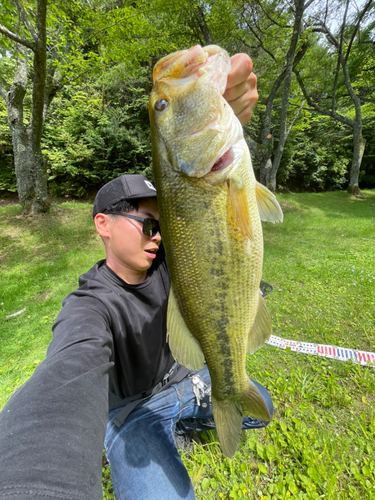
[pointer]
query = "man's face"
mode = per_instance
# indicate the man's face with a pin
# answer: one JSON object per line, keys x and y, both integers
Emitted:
{"x": 130, "y": 253}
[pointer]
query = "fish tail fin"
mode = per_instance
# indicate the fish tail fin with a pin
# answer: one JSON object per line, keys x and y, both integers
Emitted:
{"x": 253, "y": 403}
{"x": 228, "y": 416}
{"x": 228, "y": 422}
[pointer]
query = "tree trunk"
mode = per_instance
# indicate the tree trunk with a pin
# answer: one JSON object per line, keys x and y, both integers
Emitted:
{"x": 265, "y": 172}
{"x": 31, "y": 172}
{"x": 203, "y": 26}
{"x": 267, "y": 139}
{"x": 355, "y": 124}
{"x": 272, "y": 181}
{"x": 23, "y": 165}
{"x": 263, "y": 157}
{"x": 290, "y": 57}
{"x": 353, "y": 187}
{"x": 30, "y": 165}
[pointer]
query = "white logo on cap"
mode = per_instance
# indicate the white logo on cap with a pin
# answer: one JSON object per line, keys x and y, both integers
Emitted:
{"x": 148, "y": 184}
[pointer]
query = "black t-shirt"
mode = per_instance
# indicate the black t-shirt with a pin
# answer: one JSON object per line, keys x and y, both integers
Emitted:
{"x": 109, "y": 338}
{"x": 133, "y": 315}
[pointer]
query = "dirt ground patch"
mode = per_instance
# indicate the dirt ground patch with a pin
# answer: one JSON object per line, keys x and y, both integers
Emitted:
{"x": 12, "y": 199}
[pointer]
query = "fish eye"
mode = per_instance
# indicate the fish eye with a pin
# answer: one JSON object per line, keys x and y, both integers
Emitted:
{"x": 161, "y": 104}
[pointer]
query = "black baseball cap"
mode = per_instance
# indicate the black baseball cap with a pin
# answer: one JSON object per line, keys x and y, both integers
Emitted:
{"x": 125, "y": 187}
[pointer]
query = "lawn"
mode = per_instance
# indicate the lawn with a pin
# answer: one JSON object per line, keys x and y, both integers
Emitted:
{"x": 321, "y": 263}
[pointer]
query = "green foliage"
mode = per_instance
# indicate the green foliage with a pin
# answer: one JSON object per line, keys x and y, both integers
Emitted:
{"x": 367, "y": 173}
{"x": 7, "y": 177}
{"x": 106, "y": 480}
{"x": 316, "y": 156}
{"x": 103, "y": 54}
{"x": 99, "y": 133}
{"x": 82, "y": 40}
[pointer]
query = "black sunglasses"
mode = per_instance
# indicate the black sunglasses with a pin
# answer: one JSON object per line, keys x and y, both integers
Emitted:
{"x": 150, "y": 226}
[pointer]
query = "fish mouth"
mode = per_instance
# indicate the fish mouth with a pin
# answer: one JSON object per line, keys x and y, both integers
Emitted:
{"x": 226, "y": 164}
{"x": 225, "y": 160}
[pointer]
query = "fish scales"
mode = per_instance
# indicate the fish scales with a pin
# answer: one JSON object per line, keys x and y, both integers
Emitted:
{"x": 207, "y": 273}
{"x": 210, "y": 214}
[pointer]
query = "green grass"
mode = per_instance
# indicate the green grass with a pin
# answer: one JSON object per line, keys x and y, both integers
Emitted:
{"x": 40, "y": 261}
{"x": 321, "y": 262}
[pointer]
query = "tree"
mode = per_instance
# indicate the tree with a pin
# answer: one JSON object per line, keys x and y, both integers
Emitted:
{"x": 274, "y": 30}
{"x": 300, "y": 7}
{"x": 29, "y": 163}
{"x": 99, "y": 130}
{"x": 7, "y": 177}
{"x": 76, "y": 39}
{"x": 342, "y": 43}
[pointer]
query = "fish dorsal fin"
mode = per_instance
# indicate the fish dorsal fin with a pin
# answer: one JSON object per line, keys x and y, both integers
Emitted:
{"x": 261, "y": 329}
{"x": 185, "y": 348}
{"x": 268, "y": 206}
{"x": 240, "y": 208}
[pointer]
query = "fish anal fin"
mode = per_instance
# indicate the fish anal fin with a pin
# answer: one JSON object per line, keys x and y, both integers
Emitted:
{"x": 268, "y": 206}
{"x": 261, "y": 329}
{"x": 240, "y": 208}
{"x": 185, "y": 348}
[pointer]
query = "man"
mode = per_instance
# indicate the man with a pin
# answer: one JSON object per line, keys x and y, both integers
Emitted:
{"x": 110, "y": 338}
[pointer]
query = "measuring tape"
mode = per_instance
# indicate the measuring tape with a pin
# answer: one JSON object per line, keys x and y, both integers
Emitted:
{"x": 363, "y": 358}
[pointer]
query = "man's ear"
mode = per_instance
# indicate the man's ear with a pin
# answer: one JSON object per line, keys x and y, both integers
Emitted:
{"x": 102, "y": 225}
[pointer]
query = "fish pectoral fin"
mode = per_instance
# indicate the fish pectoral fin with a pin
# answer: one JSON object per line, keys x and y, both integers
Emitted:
{"x": 240, "y": 208}
{"x": 268, "y": 206}
{"x": 228, "y": 423}
{"x": 185, "y": 348}
{"x": 261, "y": 329}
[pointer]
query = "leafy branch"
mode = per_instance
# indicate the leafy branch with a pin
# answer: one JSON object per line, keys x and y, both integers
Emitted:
{"x": 16, "y": 38}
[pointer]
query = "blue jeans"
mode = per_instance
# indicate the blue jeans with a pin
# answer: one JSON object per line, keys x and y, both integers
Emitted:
{"x": 143, "y": 457}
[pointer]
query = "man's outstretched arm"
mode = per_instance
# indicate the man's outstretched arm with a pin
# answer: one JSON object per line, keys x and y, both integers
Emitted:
{"x": 52, "y": 429}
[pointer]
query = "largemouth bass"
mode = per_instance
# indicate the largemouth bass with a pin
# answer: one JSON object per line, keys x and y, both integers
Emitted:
{"x": 211, "y": 209}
